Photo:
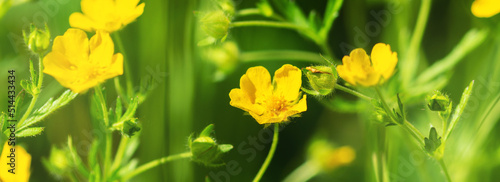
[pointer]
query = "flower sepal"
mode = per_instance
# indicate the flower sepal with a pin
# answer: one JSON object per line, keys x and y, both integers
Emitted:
{"x": 205, "y": 150}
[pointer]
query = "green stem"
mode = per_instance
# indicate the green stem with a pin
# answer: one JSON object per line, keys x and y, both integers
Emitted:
{"x": 107, "y": 152}
{"x": 269, "y": 157}
{"x": 353, "y": 92}
{"x": 35, "y": 95}
{"x": 128, "y": 74}
{"x": 413, "y": 49}
{"x": 406, "y": 125}
{"x": 255, "y": 11}
{"x": 445, "y": 171}
{"x": 119, "y": 154}
{"x": 304, "y": 172}
{"x": 288, "y": 55}
{"x": 266, "y": 24}
{"x": 155, "y": 163}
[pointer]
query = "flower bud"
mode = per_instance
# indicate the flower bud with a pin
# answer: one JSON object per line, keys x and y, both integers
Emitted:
{"x": 328, "y": 157}
{"x": 58, "y": 163}
{"x": 38, "y": 40}
{"x": 227, "y": 6}
{"x": 438, "y": 102}
{"x": 224, "y": 57}
{"x": 205, "y": 150}
{"x": 321, "y": 78}
{"x": 215, "y": 24}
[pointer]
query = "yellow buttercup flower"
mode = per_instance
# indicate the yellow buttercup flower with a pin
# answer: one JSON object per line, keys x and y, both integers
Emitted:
{"x": 266, "y": 102}
{"x": 358, "y": 69}
{"x": 22, "y": 164}
{"x": 80, "y": 64}
{"x": 485, "y": 8}
{"x": 107, "y": 15}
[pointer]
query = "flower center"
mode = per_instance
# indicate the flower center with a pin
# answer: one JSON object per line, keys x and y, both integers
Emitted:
{"x": 277, "y": 104}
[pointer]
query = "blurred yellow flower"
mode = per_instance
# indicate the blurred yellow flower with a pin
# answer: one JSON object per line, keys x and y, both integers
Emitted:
{"x": 485, "y": 8}
{"x": 106, "y": 15}
{"x": 80, "y": 64}
{"x": 358, "y": 69}
{"x": 22, "y": 164}
{"x": 266, "y": 102}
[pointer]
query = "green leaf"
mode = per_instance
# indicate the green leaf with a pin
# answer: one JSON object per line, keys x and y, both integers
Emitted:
{"x": 50, "y": 106}
{"x": 118, "y": 109}
{"x": 92, "y": 155}
{"x": 331, "y": 13}
{"x": 29, "y": 132}
{"x": 469, "y": 42}
{"x": 130, "y": 127}
{"x": 76, "y": 160}
{"x": 26, "y": 85}
{"x": 433, "y": 142}
{"x": 132, "y": 107}
{"x": 460, "y": 109}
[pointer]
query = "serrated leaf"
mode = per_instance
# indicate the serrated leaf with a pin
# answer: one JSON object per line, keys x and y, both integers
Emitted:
{"x": 433, "y": 142}
{"x": 29, "y": 132}
{"x": 49, "y": 107}
{"x": 460, "y": 109}
{"x": 26, "y": 85}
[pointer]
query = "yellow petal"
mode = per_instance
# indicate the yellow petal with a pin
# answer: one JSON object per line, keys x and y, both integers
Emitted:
{"x": 22, "y": 162}
{"x": 133, "y": 14}
{"x": 98, "y": 10}
{"x": 345, "y": 74}
{"x": 74, "y": 44}
{"x": 485, "y": 8}
{"x": 78, "y": 20}
{"x": 83, "y": 86}
{"x": 371, "y": 79}
{"x": 58, "y": 66}
{"x": 288, "y": 80}
{"x": 261, "y": 79}
{"x": 384, "y": 60}
{"x": 101, "y": 49}
{"x": 299, "y": 107}
{"x": 240, "y": 99}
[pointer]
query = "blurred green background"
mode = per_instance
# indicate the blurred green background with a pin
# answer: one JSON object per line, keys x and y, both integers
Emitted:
{"x": 161, "y": 45}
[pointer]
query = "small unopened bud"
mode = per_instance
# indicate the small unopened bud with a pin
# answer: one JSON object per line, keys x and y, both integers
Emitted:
{"x": 438, "y": 102}
{"x": 321, "y": 152}
{"x": 224, "y": 57}
{"x": 58, "y": 163}
{"x": 227, "y": 6}
{"x": 215, "y": 24}
{"x": 205, "y": 150}
{"x": 321, "y": 78}
{"x": 38, "y": 40}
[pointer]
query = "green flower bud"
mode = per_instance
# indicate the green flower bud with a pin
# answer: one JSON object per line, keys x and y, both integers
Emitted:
{"x": 38, "y": 40}
{"x": 265, "y": 8}
{"x": 215, "y": 24}
{"x": 58, "y": 162}
{"x": 328, "y": 157}
{"x": 321, "y": 78}
{"x": 438, "y": 102}
{"x": 205, "y": 150}
{"x": 227, "y": 6}
{"x": 224, "y": 57}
